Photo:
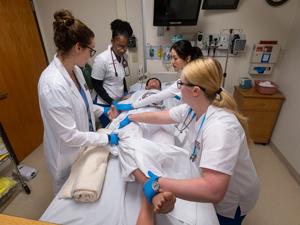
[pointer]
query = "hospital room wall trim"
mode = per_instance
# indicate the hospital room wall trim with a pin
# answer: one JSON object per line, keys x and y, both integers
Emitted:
{"x": 285, "y": 162}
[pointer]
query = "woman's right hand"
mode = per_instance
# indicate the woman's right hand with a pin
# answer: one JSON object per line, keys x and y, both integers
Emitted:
{"x": 113, "y": 139}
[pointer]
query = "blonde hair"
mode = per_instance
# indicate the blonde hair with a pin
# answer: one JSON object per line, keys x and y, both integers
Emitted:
{"x": 207, "y": 73}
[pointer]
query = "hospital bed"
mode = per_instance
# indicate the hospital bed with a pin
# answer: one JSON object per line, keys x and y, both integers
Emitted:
{"x": 119, "y": 204}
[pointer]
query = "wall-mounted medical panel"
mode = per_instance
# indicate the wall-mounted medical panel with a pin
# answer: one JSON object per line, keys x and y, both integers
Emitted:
{"x": 261, "y": 68}
{"x": 265, "y": 53}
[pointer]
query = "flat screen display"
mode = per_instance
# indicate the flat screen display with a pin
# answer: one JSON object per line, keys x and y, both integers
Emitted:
{"x": 176, "y": 12}
{"x": 220, "y": 4}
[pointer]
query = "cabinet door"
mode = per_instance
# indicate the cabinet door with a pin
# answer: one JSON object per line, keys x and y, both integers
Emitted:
{"x": 260, "y": 125}
{"x": 22, "y": 61}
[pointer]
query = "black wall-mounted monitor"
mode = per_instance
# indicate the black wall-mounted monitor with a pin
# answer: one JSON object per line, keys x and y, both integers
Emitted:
{"x": 220, "y": 4}
{"x": 176, "y": 12}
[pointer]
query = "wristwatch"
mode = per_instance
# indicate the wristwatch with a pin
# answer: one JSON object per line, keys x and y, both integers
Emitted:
{"x": 155, "y": 186}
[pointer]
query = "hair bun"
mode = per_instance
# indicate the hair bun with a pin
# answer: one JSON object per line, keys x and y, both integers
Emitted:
{"x": 63, "y": 18}
{"x": 121, "y": 26}
{"x": 116, "y": 24}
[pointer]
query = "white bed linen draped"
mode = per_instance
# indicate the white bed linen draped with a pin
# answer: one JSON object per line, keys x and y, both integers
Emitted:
{"x": 119, "y": 203}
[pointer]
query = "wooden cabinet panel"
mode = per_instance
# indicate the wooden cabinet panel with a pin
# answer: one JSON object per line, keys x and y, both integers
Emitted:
{"x": 262, "y": 112}
{"x": 260, "y": 125}
{"x": 260, "y": 104}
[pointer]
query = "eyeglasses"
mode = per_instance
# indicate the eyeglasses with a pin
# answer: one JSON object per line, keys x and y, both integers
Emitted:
{"x": 180, "y": 84}
{"x": 92, "y": 51}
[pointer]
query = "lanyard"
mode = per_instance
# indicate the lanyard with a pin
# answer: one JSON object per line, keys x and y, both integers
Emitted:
{"x": 197, "y": 144}
{"x": 83, "y": 95}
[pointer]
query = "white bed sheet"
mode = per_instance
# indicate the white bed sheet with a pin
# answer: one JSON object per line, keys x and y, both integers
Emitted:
{"x": 119, "y": 204}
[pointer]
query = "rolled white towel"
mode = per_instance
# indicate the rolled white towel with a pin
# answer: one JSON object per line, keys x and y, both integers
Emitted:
{"x": 87, "y": 175}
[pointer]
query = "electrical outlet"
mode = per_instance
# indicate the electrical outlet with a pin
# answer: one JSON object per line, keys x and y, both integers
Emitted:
{"x": 224, "y": 41}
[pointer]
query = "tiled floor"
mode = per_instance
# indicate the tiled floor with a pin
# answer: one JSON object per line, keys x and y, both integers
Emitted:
{"x": 279, "y": 202}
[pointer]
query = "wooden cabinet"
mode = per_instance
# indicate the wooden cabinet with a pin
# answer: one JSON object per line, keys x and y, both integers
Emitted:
{"x": 261, "y": 110}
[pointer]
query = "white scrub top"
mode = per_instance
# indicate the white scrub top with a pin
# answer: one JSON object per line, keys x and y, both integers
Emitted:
{"x": 223, "y": 148}
{"x": 65, "y": 118}
{"x": 169, "y": 92}
{"x": 103, "y": 69}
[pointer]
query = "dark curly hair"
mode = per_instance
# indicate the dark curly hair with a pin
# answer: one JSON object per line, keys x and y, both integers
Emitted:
{"x": 120, "y": 27}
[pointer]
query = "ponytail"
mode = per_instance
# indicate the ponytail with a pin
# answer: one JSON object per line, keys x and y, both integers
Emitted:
{"x": 196, "y": 53}
{"x": 226, "y": 101}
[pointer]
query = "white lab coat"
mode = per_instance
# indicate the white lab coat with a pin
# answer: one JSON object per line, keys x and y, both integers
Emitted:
{"x": 223, "y": 147}
{"x": 65, "y": 118}
{"x": 104, "y": 69}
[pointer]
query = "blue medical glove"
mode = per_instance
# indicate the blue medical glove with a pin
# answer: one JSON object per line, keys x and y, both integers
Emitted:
{"x": 149, "y": 189}
{"x": 105, "y": 110}
{"x": 177, "y": 97}
{"x": 124, "y": 122}
{"x": 113, "y": 139}
{"x": 123, "y": 107}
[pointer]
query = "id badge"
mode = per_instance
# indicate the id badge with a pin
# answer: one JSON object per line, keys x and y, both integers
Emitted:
{"x": 198, "y": 150}
{"x": 197, "y": 146}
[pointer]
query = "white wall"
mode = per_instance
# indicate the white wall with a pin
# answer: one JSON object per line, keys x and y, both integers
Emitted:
{"x": 258, "y": 20}
{"x": 286, "y": 135}
{"x": 96, "y": 14}
{"x": 136, "y": 56}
